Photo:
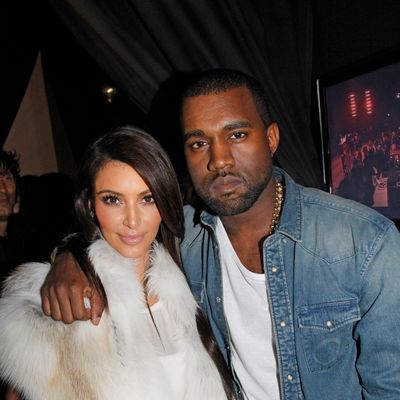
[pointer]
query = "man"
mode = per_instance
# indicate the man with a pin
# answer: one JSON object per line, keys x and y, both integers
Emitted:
{"x": 9, "y": 173}
{"x": 16, "y": 244}
{"x": 300, "y": 287}
{"x": 12, "y": 243}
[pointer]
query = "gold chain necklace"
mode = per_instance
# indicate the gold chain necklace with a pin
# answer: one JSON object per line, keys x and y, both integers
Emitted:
{"x": 279, "y": 194}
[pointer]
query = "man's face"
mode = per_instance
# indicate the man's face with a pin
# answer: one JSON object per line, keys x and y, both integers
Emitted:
{"x": 8, "y": 195}
{"x": 228, "y": 149}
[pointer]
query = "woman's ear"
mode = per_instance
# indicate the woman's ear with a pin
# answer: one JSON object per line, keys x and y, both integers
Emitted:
{"x": 90, "y": 208}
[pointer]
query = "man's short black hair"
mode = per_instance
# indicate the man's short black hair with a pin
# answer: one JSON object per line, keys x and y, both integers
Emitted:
{"x": 9, "y": 163}
{"x": 219, "y": 80}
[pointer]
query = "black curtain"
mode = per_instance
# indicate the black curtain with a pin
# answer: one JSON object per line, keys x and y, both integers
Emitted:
{"x": 141, "y": 45}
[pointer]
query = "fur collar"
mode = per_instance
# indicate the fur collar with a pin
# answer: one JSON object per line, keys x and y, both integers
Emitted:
{"x": 164, "y": 279}
{"x": 47, "y": 359}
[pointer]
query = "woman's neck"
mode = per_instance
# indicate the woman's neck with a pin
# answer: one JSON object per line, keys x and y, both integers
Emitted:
{"x": 141, "y": 268}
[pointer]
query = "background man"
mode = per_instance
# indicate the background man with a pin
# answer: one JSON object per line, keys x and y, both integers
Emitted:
{"x": 11, "y": 241}
{"x": 15, "y": 243}
{"x": 300, "y": 287}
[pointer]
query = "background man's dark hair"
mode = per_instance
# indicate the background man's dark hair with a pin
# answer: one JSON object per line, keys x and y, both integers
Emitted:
{"x": 9, "y": 162}
{"x": 215, "y": 81}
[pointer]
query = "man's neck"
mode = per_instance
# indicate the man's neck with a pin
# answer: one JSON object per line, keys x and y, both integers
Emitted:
{"x": 3, "y": 227}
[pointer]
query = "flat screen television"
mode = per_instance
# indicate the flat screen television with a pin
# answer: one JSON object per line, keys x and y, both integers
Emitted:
{"x": 359, "y": 113}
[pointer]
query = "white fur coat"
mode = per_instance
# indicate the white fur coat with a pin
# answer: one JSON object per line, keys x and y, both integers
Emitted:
{"x": 48, "y": 360}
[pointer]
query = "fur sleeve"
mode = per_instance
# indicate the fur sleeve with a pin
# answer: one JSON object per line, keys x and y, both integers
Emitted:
{"x": 27, "y": 352}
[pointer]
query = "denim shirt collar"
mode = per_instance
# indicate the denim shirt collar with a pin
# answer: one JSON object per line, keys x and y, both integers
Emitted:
{"x": 290, "y": 223}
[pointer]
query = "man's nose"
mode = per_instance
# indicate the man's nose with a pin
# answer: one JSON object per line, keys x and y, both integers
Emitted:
{"x": 220, "y": 157}
{"x": 3, "y": 185}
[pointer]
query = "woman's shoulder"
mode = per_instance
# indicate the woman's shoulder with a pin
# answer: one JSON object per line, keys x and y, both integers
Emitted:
{"x": 26, "y": 279}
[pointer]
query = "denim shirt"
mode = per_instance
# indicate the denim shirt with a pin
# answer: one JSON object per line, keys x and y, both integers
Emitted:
{"x": 332, "y": 274}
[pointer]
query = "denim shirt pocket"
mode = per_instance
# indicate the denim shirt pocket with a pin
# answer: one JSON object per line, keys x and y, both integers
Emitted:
{"x": 197, "y": 289}
{"x": 327, "y": 331}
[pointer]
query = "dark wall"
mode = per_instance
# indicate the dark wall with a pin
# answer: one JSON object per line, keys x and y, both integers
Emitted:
{"x": 346, "y": 31}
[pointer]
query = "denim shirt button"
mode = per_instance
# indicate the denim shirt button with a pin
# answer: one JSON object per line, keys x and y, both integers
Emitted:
{"x": 282, "y": 324}
{"x": 329, "y": 324}
{"x": 274, "y": 269}
{"x": 290, "y": 378}
{"x": 218, "y": 299}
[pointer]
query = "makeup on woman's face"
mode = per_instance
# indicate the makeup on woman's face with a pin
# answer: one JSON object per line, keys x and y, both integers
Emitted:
{"x": 125, "y": 210}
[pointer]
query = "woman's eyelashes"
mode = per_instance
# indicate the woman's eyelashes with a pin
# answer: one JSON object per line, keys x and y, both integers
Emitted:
{"x": 148, "y": 199}
{"x": 112, "y": 199}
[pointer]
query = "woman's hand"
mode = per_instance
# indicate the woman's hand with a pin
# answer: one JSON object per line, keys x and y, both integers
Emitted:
{"x": 64, "y": 290}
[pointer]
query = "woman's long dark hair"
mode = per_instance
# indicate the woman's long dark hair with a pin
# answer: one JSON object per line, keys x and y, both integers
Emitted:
{"x": 143, "y": 153}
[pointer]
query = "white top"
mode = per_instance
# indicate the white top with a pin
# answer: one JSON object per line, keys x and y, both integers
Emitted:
{"x": 167, "y": 345}
{"x": 247, "y": 313}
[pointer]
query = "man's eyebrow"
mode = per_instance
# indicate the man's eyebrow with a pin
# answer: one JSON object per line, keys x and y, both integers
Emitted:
{"x": 236, "y": 125}
{"x": 228, "y": 127}
{"x": 190, "y": 134}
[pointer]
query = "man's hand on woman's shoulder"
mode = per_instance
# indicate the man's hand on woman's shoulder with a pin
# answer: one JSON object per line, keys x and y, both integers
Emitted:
{"x": 64, "y": 291}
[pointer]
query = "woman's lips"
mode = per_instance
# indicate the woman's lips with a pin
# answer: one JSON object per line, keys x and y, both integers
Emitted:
{"x": 131, "y": 239}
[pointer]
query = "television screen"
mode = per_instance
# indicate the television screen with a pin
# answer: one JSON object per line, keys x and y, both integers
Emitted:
{"x": 360, "y": 126}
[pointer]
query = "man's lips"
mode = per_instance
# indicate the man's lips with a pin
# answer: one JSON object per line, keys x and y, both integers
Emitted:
{"x": 4, "y": 200}
{"x": 131, "y": 239}
{"x": 226, "y": 184}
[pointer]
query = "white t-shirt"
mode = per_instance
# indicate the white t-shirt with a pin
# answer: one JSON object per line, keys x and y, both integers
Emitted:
{"x": 247, "y": 313}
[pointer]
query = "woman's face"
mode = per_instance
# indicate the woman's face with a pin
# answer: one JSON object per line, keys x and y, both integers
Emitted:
{"x": 125, "y": 209}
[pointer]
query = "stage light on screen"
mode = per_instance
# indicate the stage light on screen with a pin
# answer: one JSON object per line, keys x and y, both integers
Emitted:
{"x": 353, "y": 105}
{"x": 368, "y": 101}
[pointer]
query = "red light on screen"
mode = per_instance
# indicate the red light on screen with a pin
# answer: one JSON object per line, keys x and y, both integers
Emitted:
{"x": 368, "y": 101}
{"x": 353, "y": 105}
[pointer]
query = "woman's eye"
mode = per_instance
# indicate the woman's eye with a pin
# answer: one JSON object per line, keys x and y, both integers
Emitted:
{"x": 111, "y": 199}
{"x": 148, "y": 199}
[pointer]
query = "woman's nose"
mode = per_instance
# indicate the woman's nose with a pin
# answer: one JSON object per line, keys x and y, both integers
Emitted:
{"x": 132, "y": 217}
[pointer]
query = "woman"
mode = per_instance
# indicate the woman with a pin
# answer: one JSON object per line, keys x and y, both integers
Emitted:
{"x": 147, "y": 345}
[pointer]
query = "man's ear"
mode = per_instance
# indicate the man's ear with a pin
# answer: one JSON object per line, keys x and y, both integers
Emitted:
{"x": 273, "y": 136}
{"x": 17, "y": 206}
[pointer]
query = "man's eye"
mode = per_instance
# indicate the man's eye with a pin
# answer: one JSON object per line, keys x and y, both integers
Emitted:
{"x": 111, "y": 199}
{"x": 6, "y": 177}
{"x": 238, "y": 135}
{"x": 198, "y": 145}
